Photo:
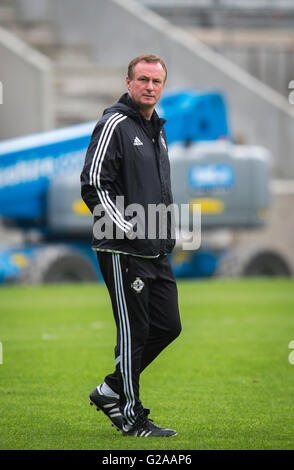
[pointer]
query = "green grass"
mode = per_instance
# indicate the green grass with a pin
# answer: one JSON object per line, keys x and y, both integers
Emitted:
{"x": 225, "y": 383}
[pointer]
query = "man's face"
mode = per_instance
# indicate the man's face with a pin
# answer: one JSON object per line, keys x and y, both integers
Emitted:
{"x": 146, "y": 86}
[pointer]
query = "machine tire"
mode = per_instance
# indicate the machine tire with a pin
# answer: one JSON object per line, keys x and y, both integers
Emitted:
{"x": 253, "y": 262}
{"x": 57, "y": 264}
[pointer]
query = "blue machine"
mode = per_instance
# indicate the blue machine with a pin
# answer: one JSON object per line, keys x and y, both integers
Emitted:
{"x": 40, "y": 192}
{"x": 194, "y": 116}
{"x": 29, "y": 169}
{"x": 29, "y": 164}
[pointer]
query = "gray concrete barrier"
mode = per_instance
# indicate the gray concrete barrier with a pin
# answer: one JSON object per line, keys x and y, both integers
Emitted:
{"x": 25, "y": 92}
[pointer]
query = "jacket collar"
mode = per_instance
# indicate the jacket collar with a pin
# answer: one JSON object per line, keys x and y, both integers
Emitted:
{"x": 133, "y": 111}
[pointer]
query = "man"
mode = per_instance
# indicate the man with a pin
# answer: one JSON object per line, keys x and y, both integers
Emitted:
{"x": 127, "y": 158}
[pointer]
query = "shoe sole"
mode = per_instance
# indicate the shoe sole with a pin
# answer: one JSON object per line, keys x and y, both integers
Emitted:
{"x": 100, "y": 409}
{"x": 172, "y": 435}
{"x": 150, "y": 435}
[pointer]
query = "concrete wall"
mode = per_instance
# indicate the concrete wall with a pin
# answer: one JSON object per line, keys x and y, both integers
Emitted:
{"x": 267, "y": 54}
{"x": 25, "y": 81}
{"x": 272, "y": 66}
{"x": 120, "y": 29}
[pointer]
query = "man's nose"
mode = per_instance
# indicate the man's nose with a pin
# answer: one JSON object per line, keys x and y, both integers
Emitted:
{"x": 150, "y": 85}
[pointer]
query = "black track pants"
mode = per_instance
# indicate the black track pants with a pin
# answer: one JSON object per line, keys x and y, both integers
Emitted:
{"x": 144, "y": 299}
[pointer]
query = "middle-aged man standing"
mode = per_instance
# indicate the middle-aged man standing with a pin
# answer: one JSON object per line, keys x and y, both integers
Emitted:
{"x": 127, "y": 158}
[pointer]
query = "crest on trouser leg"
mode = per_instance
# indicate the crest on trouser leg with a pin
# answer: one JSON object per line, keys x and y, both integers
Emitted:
{"x": 137, "y": 285}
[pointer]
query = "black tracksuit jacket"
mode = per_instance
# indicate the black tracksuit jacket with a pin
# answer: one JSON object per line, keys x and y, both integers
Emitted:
{"x": 127, "y": 157}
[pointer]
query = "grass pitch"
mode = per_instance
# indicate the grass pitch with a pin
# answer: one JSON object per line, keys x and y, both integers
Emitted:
{"x": 225, "y": 383}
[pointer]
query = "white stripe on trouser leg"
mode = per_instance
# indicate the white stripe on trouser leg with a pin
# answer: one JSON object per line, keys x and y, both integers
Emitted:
{"x": 126, "y": 369}
{"x": 125, "y": 341}
{"x": 121, "y": 324}
{"x": 129, "y": 408}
